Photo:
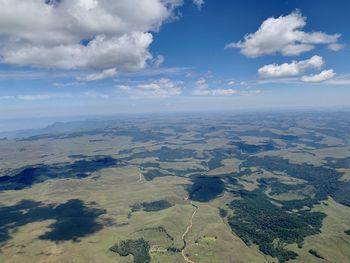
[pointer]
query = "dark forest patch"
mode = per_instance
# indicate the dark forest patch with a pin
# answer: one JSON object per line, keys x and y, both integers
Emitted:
{"x": 309, "y": 139}
{"x": 151, "y": 206}
{"x": 151, "y": 171}
{"x": 254, "y": 148}
{"x": 257, "y": 221}
{"x": 324, "y": 179}
{"x": 218, "y": 155}
{"x": 166, "y": 154}
{"x": 315, "y": 253}
{"x": 150, "y": 174}
{"x": 139, "y": 135}
{"x": 338, "y": 162}
{"x": 139, "y": 249}
{"x": 269, "y": 134}
{"x": 156, "y": 205}
{"x": 277, "y": 187}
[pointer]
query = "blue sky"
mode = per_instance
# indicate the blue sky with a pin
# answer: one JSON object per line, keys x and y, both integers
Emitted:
{"x": 91, "y": 57}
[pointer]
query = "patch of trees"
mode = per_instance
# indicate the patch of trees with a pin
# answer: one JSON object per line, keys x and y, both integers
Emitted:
{"x": 166, "y": 154}
{"x": 254, "y": 148}
{"x": 150, "y": 174}
{"x": 309, "y": 139}
{"x": 315, "y": 253}
{"x": 268, "y": 134}
{"x": 160, "y": 229}
{"x": 151, "y": 206}
{"x": 217, "y": 155}
{"x": 174, "y": 249}
{"x": 338, "y": 162}
{"x": 324, "y": 179}
{"x": 223, "y": 212}
{"x": 277, "y": 187}
{"x": 150, "y": 165}
{"x": 138, "y": 248}
{"x": 139, "y": 135}
{"x": 63, "y": 135}
{"x": 153, "y": 172}
{"x": 156, "y": 205}
{"x": 257, "y": 221}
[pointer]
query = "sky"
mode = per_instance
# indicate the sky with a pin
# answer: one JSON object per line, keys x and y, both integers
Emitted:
{"x": 97, "y": 57}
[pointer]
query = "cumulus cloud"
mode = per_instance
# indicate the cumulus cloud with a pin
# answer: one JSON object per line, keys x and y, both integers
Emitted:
{"x": 231, "y": 83}
{"x": 162, "y": 88}
{"x": 93, "y": 34}
{"x": 198, "y": 3}
{"x": 108, "y": 73}
{"x": 294, "y": 68}
{"x": 321, "y": 77}
{"x": 202, "y": 89}
{"x": 284, "y": 35}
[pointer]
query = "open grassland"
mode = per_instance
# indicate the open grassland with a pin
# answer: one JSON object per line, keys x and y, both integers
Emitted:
{"x": 332, "y": 243}
{"x": 219, "y": 189}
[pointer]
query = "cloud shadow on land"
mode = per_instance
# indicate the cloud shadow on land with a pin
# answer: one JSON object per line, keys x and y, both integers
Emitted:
{"x": 205, "y": 188}
{"x": 28, "y": 176}
{"x": 73, "y": 219}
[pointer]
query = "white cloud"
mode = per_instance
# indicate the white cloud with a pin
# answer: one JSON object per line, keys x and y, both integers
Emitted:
{"x": 31, "y": 97}
{"x": 231, "y": 83}
{"x": 214, "y": 92}
{"x": 96, "y": 95}
{"x": 68, "y": 84}
{"x": 151, "y": 72}
{"x": 340, "y": 80}
{"x": 162, "y": 88}
{"x": 93, "y": 34}
{"x": 202, "y": 89}
{"x": 321, "y": 77}
{"x": 201, "y": 82}
{"x": 283, "y": 35}
{"x": 158, "y": 61}
{"x": 294, "y": 68}
{"x": 336, "y": 46}
{"x": 40, "y": 96}
{"x": 198, "y": 3}
{"x": 108, "y": 73}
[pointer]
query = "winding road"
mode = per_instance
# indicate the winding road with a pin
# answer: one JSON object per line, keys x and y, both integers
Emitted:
{"x": 186, "y": 232}
{"x": 141, "y": 178}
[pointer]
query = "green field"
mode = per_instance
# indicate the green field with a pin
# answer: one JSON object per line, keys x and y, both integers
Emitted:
{"x": 215, "y": 188}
